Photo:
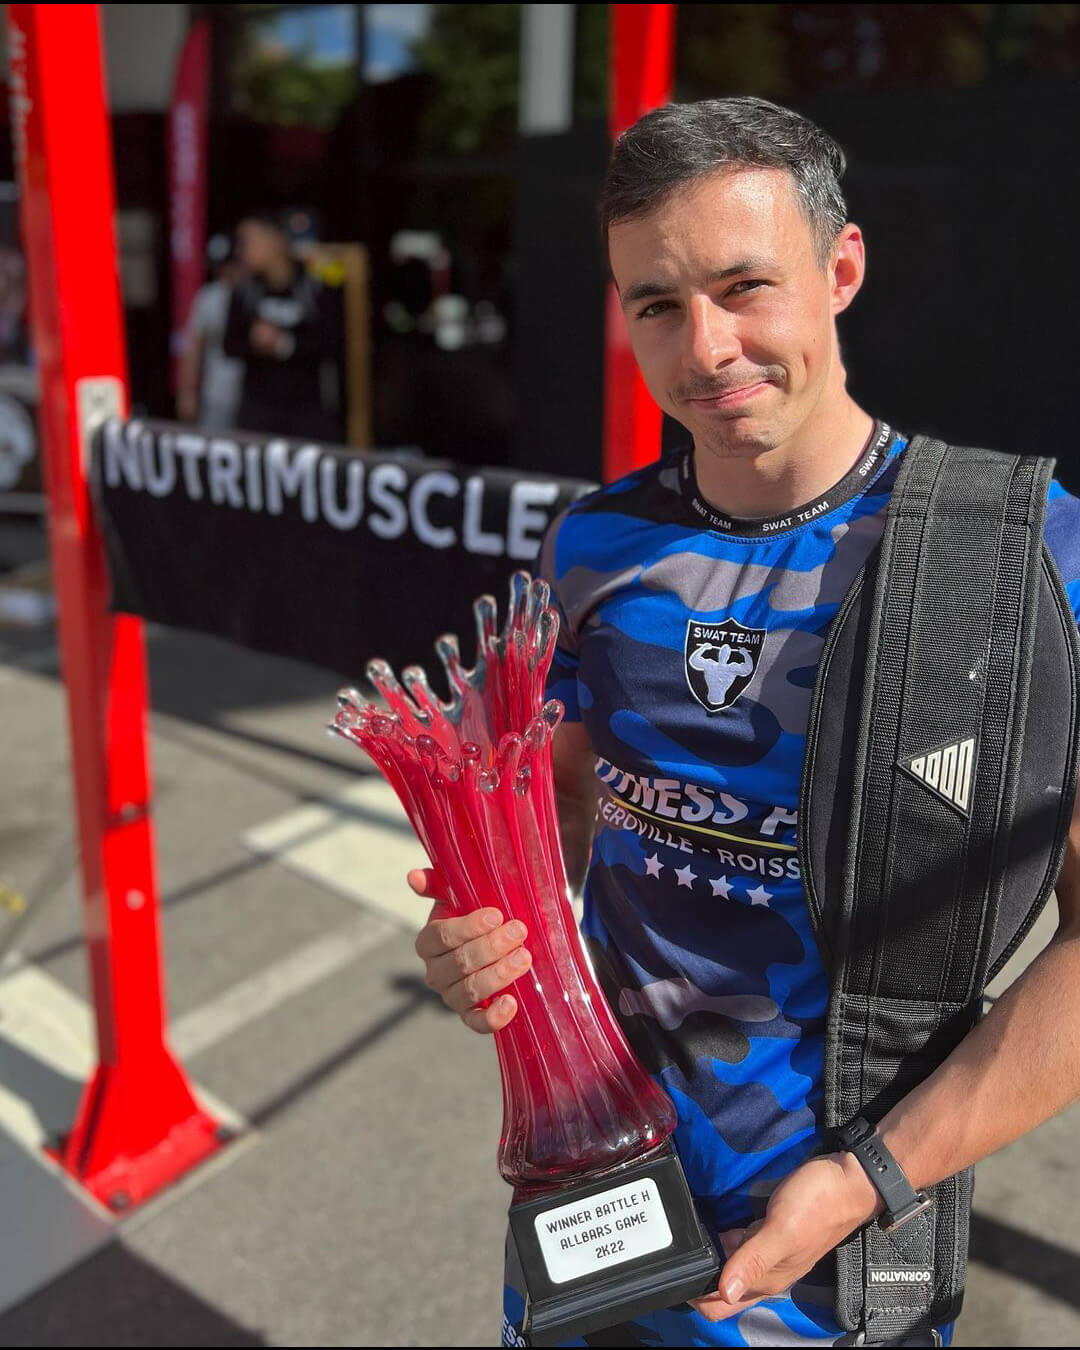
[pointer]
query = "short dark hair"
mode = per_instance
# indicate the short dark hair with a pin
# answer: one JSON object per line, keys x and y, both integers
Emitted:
{"x": 679, "y": 142}
{"x": 268, "y": 220}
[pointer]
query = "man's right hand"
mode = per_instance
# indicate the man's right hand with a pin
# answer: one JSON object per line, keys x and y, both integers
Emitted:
{"x": 469, "y": 959}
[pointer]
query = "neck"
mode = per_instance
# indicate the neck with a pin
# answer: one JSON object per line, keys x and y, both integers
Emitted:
{"x": 799, "y": 469}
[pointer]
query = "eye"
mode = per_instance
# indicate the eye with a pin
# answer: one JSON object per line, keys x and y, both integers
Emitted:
{"x": 737, "y": 289}
{"x": 656, "y": 308}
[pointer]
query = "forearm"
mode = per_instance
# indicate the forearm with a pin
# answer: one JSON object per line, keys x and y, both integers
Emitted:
{"x": 189, "y": 370}
{"x": 1018, "y": 1067}
{"x": 577, "y": 820}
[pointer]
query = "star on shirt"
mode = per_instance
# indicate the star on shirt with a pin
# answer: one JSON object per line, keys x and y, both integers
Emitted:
{"x": 653, "y": 866}
{"x": 720, "y": 886}
{"x": 686, "y": 877}
{"x": 759, "y": 896}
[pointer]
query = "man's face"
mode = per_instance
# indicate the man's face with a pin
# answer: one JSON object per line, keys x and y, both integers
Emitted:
{"x": 258, "y": 247}
{"x": 730, "y": 312}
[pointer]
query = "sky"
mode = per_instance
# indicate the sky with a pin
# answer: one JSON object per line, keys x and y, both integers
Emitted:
{"x": 327, "y": 34}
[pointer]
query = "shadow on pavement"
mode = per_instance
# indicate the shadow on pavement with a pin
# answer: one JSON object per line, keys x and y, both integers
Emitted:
{"x": 1034, "y": 1261}
{"x": 198, "y": 678}
{"x": 51, "y": 1096}
{"x": 116, "y": 1299}
{"x": 418, "y": 996}
{"x": 42, "y": 956}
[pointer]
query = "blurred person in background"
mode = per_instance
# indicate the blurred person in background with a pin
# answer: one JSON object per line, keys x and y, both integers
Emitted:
{"x": 281, "y": 326}
{"x": 210, "y": 383}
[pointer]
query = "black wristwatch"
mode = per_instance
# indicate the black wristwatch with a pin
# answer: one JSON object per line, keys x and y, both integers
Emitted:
{"x": 902, "y": 1202}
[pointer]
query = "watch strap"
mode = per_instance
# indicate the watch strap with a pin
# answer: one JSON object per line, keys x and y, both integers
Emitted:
{"x": 902, "y": 1201}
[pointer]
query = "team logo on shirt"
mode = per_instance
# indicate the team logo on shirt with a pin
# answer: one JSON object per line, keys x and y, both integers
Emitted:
{"x": 720, "y": 661}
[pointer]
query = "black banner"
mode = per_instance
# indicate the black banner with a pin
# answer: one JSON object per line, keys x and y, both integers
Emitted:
{"x": 312, "y": 551}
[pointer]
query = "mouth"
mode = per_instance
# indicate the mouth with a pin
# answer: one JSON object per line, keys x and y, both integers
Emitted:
{"x": 733, "y": 398}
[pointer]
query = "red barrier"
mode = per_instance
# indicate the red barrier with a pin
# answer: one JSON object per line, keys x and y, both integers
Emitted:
{"x": 138, "y": 1125}
{"x": 641, "y": 59}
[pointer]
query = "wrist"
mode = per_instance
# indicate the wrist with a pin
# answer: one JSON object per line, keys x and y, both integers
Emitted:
{"x": 898, "y": 1142}
{"x": 866, "y": 1203}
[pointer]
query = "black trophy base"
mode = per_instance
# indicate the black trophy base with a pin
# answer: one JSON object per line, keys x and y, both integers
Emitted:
{"x": 610, "y": 1250}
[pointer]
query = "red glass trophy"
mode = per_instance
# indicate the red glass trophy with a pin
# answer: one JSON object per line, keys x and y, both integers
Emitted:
{"x": 602, "y": 1218}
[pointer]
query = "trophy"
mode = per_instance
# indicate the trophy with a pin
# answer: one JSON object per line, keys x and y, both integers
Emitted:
{"x": 602, "y": 1218}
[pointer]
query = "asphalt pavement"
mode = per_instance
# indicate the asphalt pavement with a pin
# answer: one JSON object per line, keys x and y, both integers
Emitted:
{"x": 359, "y": 1204}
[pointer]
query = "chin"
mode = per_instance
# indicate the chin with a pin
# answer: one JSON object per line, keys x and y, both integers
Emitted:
{"x": 741, "y": 438}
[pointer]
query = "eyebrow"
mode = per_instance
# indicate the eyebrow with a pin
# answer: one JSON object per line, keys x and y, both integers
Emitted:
{"x": 649, "y": 290}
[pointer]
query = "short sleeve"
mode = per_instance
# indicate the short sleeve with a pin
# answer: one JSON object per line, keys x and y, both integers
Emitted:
{"x": 1062, "y": 535}
{"x": 198, "y": 322}
{"x": 562, "y": 680}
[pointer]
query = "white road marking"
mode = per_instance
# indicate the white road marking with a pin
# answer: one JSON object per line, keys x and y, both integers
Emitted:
{"x": 47, "y": 1053}
{"x": 359, "y": 846}
{"x": 254, "y": 997}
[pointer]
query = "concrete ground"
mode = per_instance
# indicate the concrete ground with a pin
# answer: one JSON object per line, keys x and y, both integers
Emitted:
{"x": 360, "y": 1204}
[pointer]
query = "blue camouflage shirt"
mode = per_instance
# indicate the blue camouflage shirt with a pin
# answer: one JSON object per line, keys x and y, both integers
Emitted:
{"x": 688, "y": 646}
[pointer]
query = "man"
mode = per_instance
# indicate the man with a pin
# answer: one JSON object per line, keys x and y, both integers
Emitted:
{"x": 281, "y": 325}
{"x": 731, "y": 250}
{"x": 209, "y": 383}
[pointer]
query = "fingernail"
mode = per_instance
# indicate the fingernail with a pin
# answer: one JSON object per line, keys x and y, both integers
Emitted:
{"x": 733, "y": 1289}
{"x": 503, "y": 1005}
{"x": 516, "y": 930}
{"x": 492, "y": 919}
{"x": 520, "y": 958}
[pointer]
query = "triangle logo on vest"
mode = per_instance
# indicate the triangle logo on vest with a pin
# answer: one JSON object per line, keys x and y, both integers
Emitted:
{"x": 948, "y": 772}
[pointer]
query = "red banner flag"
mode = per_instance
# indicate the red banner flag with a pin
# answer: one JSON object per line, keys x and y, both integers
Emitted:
{"x": 187, "y": 180}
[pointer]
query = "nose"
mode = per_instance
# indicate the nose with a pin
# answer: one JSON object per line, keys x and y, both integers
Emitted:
{"x": 711, "y": 340}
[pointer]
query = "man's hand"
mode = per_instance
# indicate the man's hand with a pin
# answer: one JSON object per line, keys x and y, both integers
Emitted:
{"x": 471, "y": 958}
{"x": 809, "y": 1213}
{"x": 267, "y": 338}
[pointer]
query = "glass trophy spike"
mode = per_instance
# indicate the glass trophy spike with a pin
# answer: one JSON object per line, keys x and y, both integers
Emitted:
{"x": 602, "y": 1218}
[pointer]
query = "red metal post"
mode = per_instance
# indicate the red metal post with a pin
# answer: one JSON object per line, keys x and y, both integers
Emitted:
{"x": 640, "y": 66}
{"x": 138, "y": 1125}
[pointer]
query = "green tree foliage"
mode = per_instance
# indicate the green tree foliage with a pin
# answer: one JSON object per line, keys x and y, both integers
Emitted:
{"x": 273, "y": 82}
{"x": 472, "y": 53}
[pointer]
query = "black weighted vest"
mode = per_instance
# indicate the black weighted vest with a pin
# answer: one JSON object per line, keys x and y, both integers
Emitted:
{"x": 937, "y": 790}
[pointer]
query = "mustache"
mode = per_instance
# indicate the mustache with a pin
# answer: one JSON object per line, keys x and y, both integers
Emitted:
{"x": 717, "y": 388}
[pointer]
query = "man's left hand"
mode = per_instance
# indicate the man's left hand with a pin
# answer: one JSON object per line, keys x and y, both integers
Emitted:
{"x": 266, "y": 337}
{"x": 809, "y": 1213}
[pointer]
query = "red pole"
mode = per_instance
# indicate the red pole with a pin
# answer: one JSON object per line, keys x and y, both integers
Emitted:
{"x": 641, "y": 59}
{"x": 138, "y": 1125}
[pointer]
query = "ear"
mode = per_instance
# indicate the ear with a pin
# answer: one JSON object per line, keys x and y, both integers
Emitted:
{"x": 847, "y": 267}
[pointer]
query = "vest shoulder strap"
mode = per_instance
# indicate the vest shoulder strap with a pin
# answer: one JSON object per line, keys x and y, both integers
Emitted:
{"x": 945, "y": 704}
